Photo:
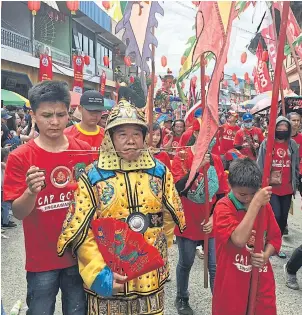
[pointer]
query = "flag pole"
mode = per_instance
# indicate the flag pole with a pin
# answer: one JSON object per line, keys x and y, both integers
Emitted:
{"x": 269, "y": 150}
{"x": 205, "y": 178}
{"x": 151, "y": 93}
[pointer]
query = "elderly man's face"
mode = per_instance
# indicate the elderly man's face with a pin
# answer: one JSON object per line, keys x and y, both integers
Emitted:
{"x": 128, "y": 141}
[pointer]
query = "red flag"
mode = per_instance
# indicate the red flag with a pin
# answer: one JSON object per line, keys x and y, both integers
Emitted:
{"x": 103, "y": 83}
{"x": 212, "y": 36}
{"x": 45, "y": 71}
{"x": 292, "y": 30}
{"x": 262, "y": 74}
{"x": 256, "y": 82}
{"x": 269, "y": 36}
{"x": 78, "y": 66}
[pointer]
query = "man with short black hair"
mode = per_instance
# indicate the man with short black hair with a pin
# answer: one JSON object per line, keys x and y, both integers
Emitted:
{"x": 37, "y": 182}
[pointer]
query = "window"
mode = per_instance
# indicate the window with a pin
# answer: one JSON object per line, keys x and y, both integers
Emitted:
{"x": 101, "y": 52}
{"x": 91, "y": 48}
{"x": 85, "y": 45}
{"x": 99, "y": 56}
{"x": 83, "y": 39}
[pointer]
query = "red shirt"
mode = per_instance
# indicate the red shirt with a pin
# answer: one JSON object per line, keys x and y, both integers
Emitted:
{"x": 184, "y": 139}
{"x": 195, "y": 213}
{"x": 227, "y": 137}
{"x": 282, "y": 162}
{"x": 233, "y": 271}
{"x": 216, "y": 148}
{"x": 43, "y": 225}
{"x": 94, "y": 139}
{"x": 174, "y": 145}
{"x": 164, "y": 158}
{"x": 245, "y": 136}
{"x": 298, "y": 139}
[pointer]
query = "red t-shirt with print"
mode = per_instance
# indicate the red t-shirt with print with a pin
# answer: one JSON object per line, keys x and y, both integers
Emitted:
{"x": 233, "y": 273}
{"x": 94, "y": 139}
{"x": 298, "y": 139}
{"x": 174, "y": 146}
{"x": 227, "y": 137}
{"x": 43, "y": 225}
{"x": 244, "y": 136}
{"x": 282, "y": 162}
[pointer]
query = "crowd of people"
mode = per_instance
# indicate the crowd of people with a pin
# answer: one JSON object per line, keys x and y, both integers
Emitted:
{"x": 63, "y": 170}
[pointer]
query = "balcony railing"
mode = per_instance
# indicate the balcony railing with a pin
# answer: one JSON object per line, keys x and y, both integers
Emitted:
{"x": 15, "y": 40}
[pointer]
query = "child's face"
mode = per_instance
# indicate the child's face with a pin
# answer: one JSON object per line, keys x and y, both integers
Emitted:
{"x": 244, "y": 194}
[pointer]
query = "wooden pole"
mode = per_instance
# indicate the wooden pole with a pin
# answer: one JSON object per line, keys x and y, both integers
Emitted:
{"x": 205, "y": 177}
{"x": 151, "y": 94}
{"x": 283, "y": 67}
{"x": 268, "y": 156}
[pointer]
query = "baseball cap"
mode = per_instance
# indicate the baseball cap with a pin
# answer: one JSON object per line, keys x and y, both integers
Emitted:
{"x": 198, "y": 113}
{"x": 247, "y": 116}
{"x": 4, "y": 114}
{"x": 92, "y": 100}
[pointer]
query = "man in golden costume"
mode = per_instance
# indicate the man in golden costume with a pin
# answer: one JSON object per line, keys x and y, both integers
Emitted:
{"x": 126, "y": 184}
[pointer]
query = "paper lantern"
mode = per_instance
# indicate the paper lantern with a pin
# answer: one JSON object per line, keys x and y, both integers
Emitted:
{"x": 264, "y": 56}
{"x": 131, "y": 79}
{"x": 106, "y": 5}
{"x": 183, "y": 60}
{"x": 243, "y": 57}
{"x": 164, "y": 61}
{"x": 106, "y": 61}
{"x": 73, "y": 6}
{"x": 34, "y": 6}
{"x": 127, "y": 61}
{"x": 87, "y": 60}
{"x": 234, "y": 77}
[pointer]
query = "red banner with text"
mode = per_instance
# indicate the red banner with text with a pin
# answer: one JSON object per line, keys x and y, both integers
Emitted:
{"x": 45, "y": 71}
{"x": 78, "y": 66}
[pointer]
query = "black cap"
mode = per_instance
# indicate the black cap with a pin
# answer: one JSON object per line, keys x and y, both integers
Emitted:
{"x": 92, "y": 100}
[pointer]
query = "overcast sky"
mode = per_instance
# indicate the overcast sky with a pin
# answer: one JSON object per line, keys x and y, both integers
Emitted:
{"x": 176, "y": 27}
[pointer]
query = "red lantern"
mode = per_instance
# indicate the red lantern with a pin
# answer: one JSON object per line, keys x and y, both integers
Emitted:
{"x": 183, "y": 60}
{"x": 87, "y": 60}
{"x": 164, "y": 61}
{"x": 234, "y": 77}
{"x": 33, "y": 6}
{"x": 243, "y": 57}
{"x": 264, "y": 56}
{"x": 183, "y": 85}
{"x": 127, "y": 61}
{"x": 73, "y": 6}
{"x": 106, "y": 61}
{"x": 106, "y": 5}
{"x": 131, "y": 79}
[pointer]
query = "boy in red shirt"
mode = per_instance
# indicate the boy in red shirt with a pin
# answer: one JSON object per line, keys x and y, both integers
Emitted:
{"x": 235, "y": 224}
{"x": 249, "y": 138}
{"x": 91, "y": 108}
{"x": 228, "y": 132}
{"x": 37, "y": 182}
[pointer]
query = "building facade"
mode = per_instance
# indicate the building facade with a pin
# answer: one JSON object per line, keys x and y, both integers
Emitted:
{"x": 54, "y": 30}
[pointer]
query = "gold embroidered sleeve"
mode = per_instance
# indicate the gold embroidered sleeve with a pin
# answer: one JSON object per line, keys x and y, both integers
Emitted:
{"x": 90, "y": 260}
{"x": 81, "y": 211}
{"x": 172, "y": 204}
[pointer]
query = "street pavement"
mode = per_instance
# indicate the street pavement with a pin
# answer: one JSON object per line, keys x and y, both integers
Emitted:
{"x": 289, "y": 302}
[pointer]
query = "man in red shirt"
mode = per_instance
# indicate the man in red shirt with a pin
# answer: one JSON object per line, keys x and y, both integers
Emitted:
{"x": 248, "y": 138}
{"x": 91, "y": 108}
{"x": 37, "y": 182}
{"x": 227, "y": 132}
{"x": 236, "y": 226}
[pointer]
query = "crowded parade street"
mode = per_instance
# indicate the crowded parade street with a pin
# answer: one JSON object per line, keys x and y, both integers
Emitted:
{"x": 151, "y": 157}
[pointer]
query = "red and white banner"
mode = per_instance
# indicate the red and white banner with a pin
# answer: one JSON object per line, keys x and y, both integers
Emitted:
{"x": 78, "y": 66}
{"x": 103, "y": 83}
{"x": 45, "y": 71}
{"x": 262, "y": 78}
{"x": 268, "y": 33}
{"x": 293, "y": 30}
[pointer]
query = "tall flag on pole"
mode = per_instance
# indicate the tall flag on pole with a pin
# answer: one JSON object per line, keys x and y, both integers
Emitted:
{"x": 138, "y": 21}
{"x": 213, "y": 30}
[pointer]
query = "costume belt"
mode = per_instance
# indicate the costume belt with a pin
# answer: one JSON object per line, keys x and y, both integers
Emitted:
{"x": 139, "y": 222}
